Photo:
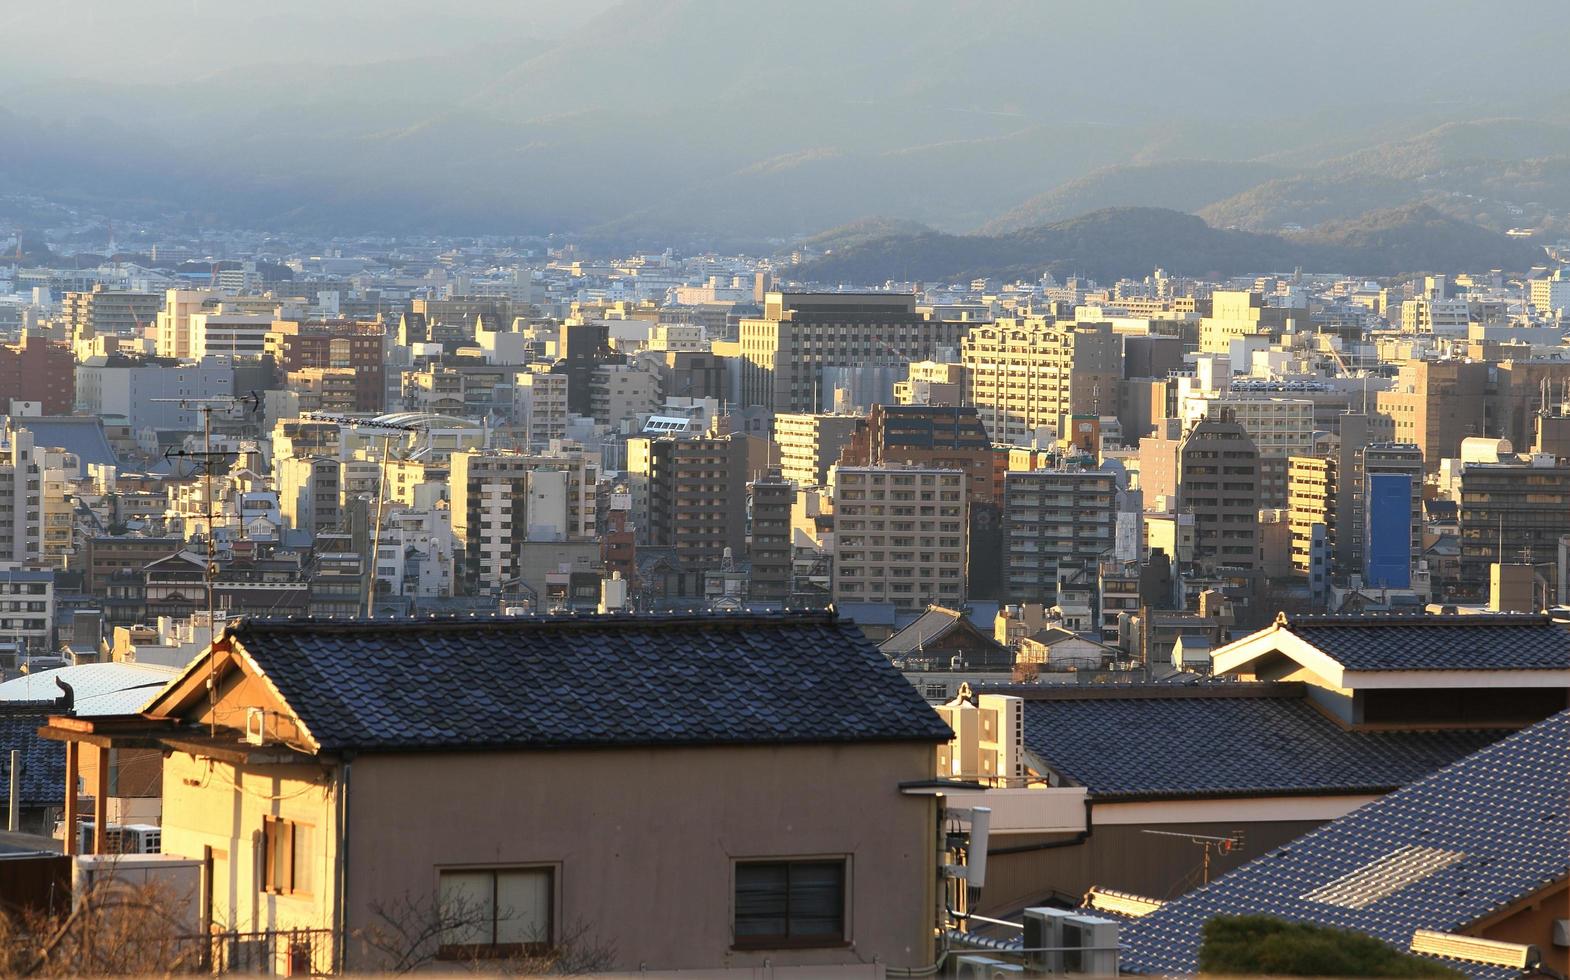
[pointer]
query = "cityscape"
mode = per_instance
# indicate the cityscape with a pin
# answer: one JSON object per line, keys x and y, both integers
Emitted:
{"x": 884, "y": 559}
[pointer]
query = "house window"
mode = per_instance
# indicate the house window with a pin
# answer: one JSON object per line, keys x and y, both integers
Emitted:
{"x": 496, "y": 911}
{"x": 286, "y": 857}
{"x": 790, "y": 903}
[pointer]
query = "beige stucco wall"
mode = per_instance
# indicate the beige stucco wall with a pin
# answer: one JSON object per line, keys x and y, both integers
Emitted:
{"x": 643, "y": 840}
{"x": 214, "y": 806}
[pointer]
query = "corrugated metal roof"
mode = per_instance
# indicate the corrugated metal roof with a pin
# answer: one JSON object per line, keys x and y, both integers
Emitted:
{"x": 99, "y": 689}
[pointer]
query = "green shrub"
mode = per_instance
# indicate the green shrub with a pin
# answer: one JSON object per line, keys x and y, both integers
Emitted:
{"x": 1255, "y": 945}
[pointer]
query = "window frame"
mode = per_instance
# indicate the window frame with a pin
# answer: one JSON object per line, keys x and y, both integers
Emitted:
{"x": 271, "y": 882}
{"x": 839, "y": 940}
{"x": 495, "y": 950}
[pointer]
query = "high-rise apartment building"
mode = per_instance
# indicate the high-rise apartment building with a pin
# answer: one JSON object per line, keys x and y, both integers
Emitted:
{"x": 1278, "y": 427}
{"x": 1218, "y": 483}
{"x": 1551, "y": 294}
{"x": 225, "y": 333}
{"x": 693, "y": 493}
{"x": 580, "y": 348}
{"x": 38, "y": 370}
{"x": 1392, "y": 458}
{"x": 810, "y": 444}
{"x": 333, "y": 390}
{"x": 173, "y": 327}
{"x": 785, "y": 351}
{"x": 109, "y": 312}
{"x": 944, "y": 437}
{"x": 540, "y": 406}
{"x": 502, "y": 499}
{"x": 1436, "y": 404}
{"x": 21, "y": 493}
{"x": 769, "y": 540}
{"x": 1437, "y": 316}
{"x": 932, "y": 383}
{"x": 1512, "y": 512}
{"x": 335, "y": 345}
{"x": 310, "y": 492}
{"x": 622, "y": 391}
{"x": 899, "y": 536}
{"x": 1027, "y": 374}
{"x": 1311, "y": 502}
{"x": 1055, "y": 522}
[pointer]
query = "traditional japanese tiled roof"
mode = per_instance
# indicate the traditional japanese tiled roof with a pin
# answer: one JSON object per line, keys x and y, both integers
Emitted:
{"x": 1445, "y": 852}
{"x": 43, "y": 761}
{"x": 1423, "y": 642}
{"x": 587, "y": 681}
{"x": 933, "y": 626}
{"x": 1224, "y": 740}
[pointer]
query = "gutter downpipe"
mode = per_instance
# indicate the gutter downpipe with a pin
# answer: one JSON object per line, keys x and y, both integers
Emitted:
{"x": 342, "y": 910}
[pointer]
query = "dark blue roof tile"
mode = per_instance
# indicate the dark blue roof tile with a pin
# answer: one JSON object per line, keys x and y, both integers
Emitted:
{"x": 1499, "y": 817}
{"x": 1174, "y": 743}
{"x": 587, "y": 681}
{"x": 43, "y": 761}
{"x": 1422, "y": 642}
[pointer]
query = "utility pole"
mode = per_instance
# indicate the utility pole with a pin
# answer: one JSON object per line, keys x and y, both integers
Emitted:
{"x": 210, "y": 570}
{"x": 388, "y": 431}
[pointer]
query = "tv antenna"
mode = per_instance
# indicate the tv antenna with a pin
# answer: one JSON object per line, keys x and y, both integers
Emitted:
{"x": 389, "y": 430}
{"x": 1208, "y": 844}
{"x": 210, "y": 568}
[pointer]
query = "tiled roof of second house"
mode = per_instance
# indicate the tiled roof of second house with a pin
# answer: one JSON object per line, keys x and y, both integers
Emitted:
{"x": 1232, "y": 740}
{"x": 1406, "y": 642}
{"x": 564, "y": 681}
{"x": 1443, "y": 853}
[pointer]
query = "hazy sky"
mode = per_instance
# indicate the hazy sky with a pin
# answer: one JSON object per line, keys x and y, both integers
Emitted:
{"x": 766, "y": 117}
{"x": 177, "y": 40}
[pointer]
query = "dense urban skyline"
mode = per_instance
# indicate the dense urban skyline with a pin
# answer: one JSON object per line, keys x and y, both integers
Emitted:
{"x": 886, "y": 490}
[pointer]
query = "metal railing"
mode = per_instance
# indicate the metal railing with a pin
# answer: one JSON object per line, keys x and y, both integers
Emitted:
{"x": 275, "y": 952}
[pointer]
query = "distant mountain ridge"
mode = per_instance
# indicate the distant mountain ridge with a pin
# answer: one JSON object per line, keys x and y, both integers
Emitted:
{"x": 1117, "y": 242}
{"x": 1180, "y": 185}
{"x": 696, "y": 122}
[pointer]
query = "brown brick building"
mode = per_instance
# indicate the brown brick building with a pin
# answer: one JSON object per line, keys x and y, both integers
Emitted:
{"x": 38, "y": 370}
{"x": 335, "y": 347}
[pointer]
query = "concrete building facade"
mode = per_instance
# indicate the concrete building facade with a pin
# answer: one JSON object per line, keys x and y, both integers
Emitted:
{"x": 785, "y": 350}
{"x": 900, "y": 536}
{"x": 1218, "y": 480}
{"x": 1023, "y": 375}
{"x": 1055, "y": 522}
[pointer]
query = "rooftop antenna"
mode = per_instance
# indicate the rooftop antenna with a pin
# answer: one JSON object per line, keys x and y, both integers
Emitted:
{"x": 1209, "y": 845}
{"x": 210, "y": 567}
{"x": 368, "y": 600}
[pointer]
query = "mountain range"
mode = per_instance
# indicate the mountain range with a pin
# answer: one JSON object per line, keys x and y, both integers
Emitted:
{"x": 1130, "y": 242}
{"x": 713, "y": 123}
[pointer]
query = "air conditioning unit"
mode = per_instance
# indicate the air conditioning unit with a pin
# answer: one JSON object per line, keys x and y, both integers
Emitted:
{"x": 256, "y": 726}
{"x": 141, "y": 838}
{"x": 973, "y": 966}
{"x": 113, "y": 837}
{"x": 1089, "y": 946}
{"x": 1044, "y": 935}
